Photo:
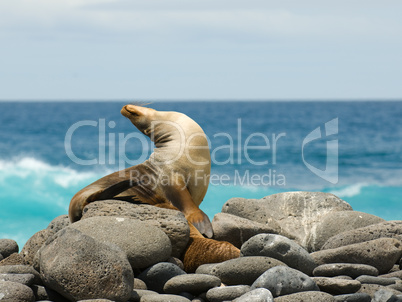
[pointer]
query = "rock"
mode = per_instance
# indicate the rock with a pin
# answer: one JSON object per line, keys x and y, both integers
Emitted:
{"x": 376, "y": 280}
{"x": 336, "y": 286}
{"x": 139, "y": 284}
{"x": 58, "y": 223}
{"x": 357, "y": 297}
{"x": 163, "y": 298}
{"x": 387, "y": 229}
{"x": 256, "y": 295}
{"x": 157, "y": 275}
{"x": 297, "y": 213}
{"x": 281, "y": 248}
{"x": 8, "y": 247}
{"x": 15, "y": 292}
{"x": 243, "y": 270}
{"x": 397, "y": 285}
{"x": 191, "y": 283}
{"x": 80, "y": 267}
{"x": 25, "y": 279}
{"x": 309, "y": 296}
{"x": 176, "y": 261}
{"x": 384, "y": 295}
{"x": 219, "y": 294}
{"x": 237, "y": 230}
{"x": 283, "y": 280}
{"x": 206, "y": 269}
{"x": 172, "y": 222}
{"x": 381, "y": 253}
{"x": 337, "y": 222}
{"x": 371, "y": 289}
{"x": 96, "y": 300}
{"x": 33, "y": 244}
{"x": 143, "y": 244}
{"x": 349, "y": 269}
{"x": 43, "y": 293}
{"x": 13, "y": 259}
{"x": 137, "y": 294}
{"x": 21, "y": 269}
{"x": 397, "y": 274}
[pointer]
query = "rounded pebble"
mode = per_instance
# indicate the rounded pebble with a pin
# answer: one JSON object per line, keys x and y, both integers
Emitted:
{"x": 15, "y": 292}
{"x": 256, "y": 295}
{"x": 219, "y": 294}
{"x": 309, "y": 296}
{"x": 336, "y": 286}
{"x": 353, "y": 270}
{"x": 192, "y": 283}
{"x": 8, "y": 247}
{"x": 163, "y": 298}
{"x": 357, "y": 297}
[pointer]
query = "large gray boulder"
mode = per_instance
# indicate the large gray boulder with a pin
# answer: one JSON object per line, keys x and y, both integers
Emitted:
{"x": 337, "y": 222}
{"x": 283, "y": 280}
{"x": 381, "y": 253}
{"x": 143, "y": 244}
{"x": 172, "y": 222}
{"x": 281, "y": 248}
{"x": 79, "y": 267}
{"x": 387, "y": 229}
{"x": 33, "y": 244}
{"x": 297, "y": 213}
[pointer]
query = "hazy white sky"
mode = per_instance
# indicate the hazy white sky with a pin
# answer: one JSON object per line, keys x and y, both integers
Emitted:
{"x": 200, "y": 49}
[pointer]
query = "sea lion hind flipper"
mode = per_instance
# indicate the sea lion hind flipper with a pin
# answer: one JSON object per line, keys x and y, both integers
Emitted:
{"x": 201, "y": 222}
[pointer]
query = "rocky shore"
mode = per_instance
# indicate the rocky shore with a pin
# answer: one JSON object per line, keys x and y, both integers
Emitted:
{"x": 296, "y": 246}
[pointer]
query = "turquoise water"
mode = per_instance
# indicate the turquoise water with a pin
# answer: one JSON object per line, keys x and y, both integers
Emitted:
{"x": 38, "y": 178}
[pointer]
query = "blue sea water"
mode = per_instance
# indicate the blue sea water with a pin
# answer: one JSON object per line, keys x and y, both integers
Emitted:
{"x": 50, "y": 150}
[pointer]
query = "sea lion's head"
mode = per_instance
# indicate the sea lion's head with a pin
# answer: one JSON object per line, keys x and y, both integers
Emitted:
{"x": 141, "y": 117}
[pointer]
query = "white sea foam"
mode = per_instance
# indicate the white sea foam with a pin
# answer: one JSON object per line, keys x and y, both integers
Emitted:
{"x": 349, "y": 191}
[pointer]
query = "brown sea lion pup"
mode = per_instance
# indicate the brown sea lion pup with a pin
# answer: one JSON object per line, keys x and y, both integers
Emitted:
{"x": 175, "y": 175}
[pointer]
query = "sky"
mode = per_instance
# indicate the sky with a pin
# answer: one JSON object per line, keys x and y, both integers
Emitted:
{"x": 200, "y": 49}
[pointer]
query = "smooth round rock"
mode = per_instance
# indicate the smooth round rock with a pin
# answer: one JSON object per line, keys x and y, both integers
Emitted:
{"x": 8, "y": 247}
{"x": 15, "y": 292}
{"x": 353, "y": 270}
{"x": 143, "y": 244}
{"x": 381, "y": 253}
{"x": 371, "y": 289}
{"x": 172, "y": 222}
{"x": 336, "y": 286}
{"x": 283, "y": 280}
{"x": 79, "y": 267}
{"x": 139, "y": 284}
{"x": 357, "y": 297}
{"x": 256, "y": 295}
{"x": 384, "y": 295}
{"x": 191, "y": 283}
{"x": 157, "y": 275}
{"x": 33, "y": 244}
{"x": 25, "y": 279}
{"x": 206, "y": 268}
{"x": 296, "y": 213}
{"x": 309, "y": 296}
{"x": 219, "y": 294}
{"x": 387, "y": 229}
{"x": 137, "y": 294}
{"x": 163, "y": 298}
{"x": 338, "y": 222}
{"x": 243, "y": 270}
{"x": 237, "y": 230}
{"x": 59, "y": 223}
{"x": 21, "y": 269}
{"x": 376, "y": 280}
{"x": 95, "y": 300}
{"x": 281, "y": 248}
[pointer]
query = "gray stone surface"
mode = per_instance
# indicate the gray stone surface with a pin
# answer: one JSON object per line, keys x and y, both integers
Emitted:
{"x": 256, "y": 295}
{"x": 21, "y": 269}
{"x": 25, "y": 279}
{"x": 15, "y": 292}
{"x": 237, "y": 230}
{"x": 157, "y": 275}
{"x": 353, "y": 270}
{"x": 8, "y": 247}
{"x": 206, "y": 268}
{"x": 143, "y": 244}
{"x": 139, "y": 284}
{"x": 381, "y": 253}
{"x": 191, "y": 283}
{"x": 43, "y": 293}
{"x": 137, "y": 294}
{"x": 282, "y": 280}
{"x": 33, "y": 244}
{"x": 357, "y": 297}
{"x": 371, "y": 289}
{"x": 13, "y": 259}
{"x": 384, "y": 295}
{"x": 58, "y": 223}
{"x": 297, "y": 213}
{"x": 225, "y": 293}
{"x": 336, "y": 286}
{"x": 172, "y": 222}
{"x": 80, "y": 267}
{"x": 309, "y": 296}
{"x": 338, "y": 222}
{"x": 388, "y": 229}
{"x": 163, "y": 298}
{"x": 376, "y": 280}
{"x": 243, "y": 270}
{"x": 281, "y": 248}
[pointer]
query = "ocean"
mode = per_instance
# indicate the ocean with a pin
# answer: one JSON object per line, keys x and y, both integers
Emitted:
{"x": 50, "y": 150}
